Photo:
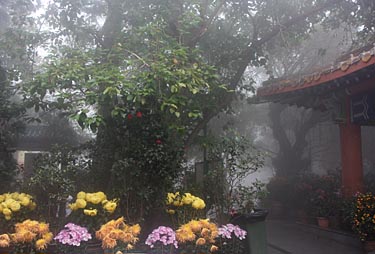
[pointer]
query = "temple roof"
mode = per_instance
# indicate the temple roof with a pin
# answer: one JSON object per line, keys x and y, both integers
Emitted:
{"x": 357, "y": 67}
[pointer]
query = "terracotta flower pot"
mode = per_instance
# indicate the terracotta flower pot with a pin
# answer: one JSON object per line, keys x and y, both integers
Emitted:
{"x": 323, "y": 222}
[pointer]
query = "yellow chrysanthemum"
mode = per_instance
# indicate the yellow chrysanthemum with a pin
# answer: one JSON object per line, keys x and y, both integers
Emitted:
{"x": 14, "y": 195}
{"x": 110, "y": 206}
{"x": 95, "y": 199}
{"x": 108, "y": 243}
{"x": 7, "y": 212}
{"x": 8, "y": 202}
{"x": 73, "y": 206}
{"x": 170, "y": 198}
{"x": 28, "y": 236}
{"x": 200, "y": 241}
{"x": 187, "y": 199}
{"x": 81, "y": 195}
{"x": 171, "y": 211}
{"x": 43, "y": 228}
{"x": 2, "y": 198}
{"x": 101, "y": 195}
{"x": 41, "y": 244}
{"x": 88, "y": 197}
{"x": 120, "y": 221}
{"x": 205, "y": 232}
{"x": 198, "y": 204}
{"x": 47, "y": 236}
{"x": 90, "y": 212}
{"x": 214, "y": 248}
{"x": 135, "y": 229}
{"x": 185, "y": 234}
{"x": 195, "y": 225}
{"x": 15, "y": 206}
{"x": 81, "y": 203}
{"x": 25, "y": 201}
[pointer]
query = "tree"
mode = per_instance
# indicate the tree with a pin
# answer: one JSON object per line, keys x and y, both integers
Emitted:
{"x": 14, "y": 65}
{"x": 291, "y": 125}
{"x": 181, "y": 62}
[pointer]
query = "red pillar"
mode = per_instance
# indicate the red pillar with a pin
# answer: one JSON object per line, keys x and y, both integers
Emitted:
{"x": 351, "y": 156}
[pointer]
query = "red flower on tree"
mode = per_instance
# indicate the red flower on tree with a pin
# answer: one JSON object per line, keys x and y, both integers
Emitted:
{"x": 158, "y": 141}
{"x": 130, "y": 116}
{"x": 138, "y": 114}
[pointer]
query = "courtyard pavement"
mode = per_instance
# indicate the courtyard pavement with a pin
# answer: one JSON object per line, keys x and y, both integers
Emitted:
{"x": 286, "y": 237}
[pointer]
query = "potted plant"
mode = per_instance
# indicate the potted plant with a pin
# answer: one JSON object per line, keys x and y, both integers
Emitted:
{"x": 325, "y": 199}
{"x": 31, "y": 236}
{"x": 70, "y": 238}
{"x": 235, "y": 159}
{"x": 116, "y": 235}
{"x": 193, "y": 233}
{"x": 92, "y": 209}
{"x": 88, "y": 212}
{"x": 184, "y": 207}
{"x": 364, "y": 220}
{"x": 15, "y": 207}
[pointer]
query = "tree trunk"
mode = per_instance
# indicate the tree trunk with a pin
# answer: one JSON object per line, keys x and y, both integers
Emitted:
{"x": 107, "y": 140}
{"x": 290, "y": 159}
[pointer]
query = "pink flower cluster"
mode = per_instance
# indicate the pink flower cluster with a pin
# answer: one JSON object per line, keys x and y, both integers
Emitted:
{"x": 162, "y": 234}
{"x": 73, "y": 235}
{"x": 226, "y": 231}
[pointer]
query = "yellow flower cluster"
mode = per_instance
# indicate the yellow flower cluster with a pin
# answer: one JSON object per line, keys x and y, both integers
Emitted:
{"x": 85, "y": 200}
{"x": 177, "y": 200}
{"x": 118, "y": 230}
{"x": 31, "y": 230}
{"x": 11, "y": 203}
{"x": 201, "y": 231}
{"x": 364, "y": 216}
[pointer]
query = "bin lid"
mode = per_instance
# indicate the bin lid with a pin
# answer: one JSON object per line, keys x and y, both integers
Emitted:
{"x": 257, "y": 215}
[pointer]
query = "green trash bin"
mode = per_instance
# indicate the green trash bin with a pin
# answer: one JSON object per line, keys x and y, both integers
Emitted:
{"x": 255, "y": 225}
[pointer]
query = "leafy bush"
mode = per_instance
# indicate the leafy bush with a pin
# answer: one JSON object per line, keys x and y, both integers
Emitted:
{"x": 364, "y": 216}
{"x": 224, "y": 184}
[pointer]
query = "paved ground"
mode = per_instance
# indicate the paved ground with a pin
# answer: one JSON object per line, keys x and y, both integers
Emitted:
{"x": 291, "y": 238}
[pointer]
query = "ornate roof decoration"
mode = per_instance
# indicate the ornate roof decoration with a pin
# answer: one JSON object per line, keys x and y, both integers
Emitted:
{"x": 332, "y": 74}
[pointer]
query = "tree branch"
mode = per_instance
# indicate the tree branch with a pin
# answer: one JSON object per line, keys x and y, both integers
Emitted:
{"x": 248, "y": 55}
{"x": 205, "y": 25}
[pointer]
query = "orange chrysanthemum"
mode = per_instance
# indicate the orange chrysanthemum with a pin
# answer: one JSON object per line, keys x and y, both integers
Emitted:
{"x": 4, "y": 240}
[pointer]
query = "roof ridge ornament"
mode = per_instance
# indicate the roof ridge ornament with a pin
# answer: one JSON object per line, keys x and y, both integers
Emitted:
{"x": 366, "y": 56}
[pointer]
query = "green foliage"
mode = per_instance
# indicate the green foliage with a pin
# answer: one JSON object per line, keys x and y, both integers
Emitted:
{"x": 325, "y": 199}
{"x": 148, "y": 160}
{"x": 235, "y": 159}
{"x": 16, "y": 42}
{"x": 162, "y": 75}
{"x": 57, "y": 175}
